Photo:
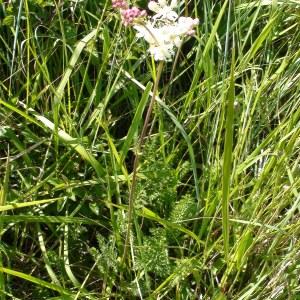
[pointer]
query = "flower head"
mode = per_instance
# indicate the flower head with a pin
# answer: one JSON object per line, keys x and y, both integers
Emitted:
{"x": 164, "y": 31}
{"x": 161, "y": 40}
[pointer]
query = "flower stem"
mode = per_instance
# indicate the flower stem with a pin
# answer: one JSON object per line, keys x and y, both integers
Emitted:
{"x": 137, "y": 158}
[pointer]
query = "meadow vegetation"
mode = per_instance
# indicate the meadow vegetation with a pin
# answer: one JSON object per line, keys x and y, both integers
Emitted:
{"x": 215, "y": 213}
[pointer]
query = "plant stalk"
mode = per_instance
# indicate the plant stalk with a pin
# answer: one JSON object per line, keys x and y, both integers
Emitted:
{"x": 137, "y": 158}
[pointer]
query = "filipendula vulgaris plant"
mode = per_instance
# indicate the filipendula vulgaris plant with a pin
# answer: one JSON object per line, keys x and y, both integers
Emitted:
{"x": 164, "y": 31}
{"x": 158, "y": 190}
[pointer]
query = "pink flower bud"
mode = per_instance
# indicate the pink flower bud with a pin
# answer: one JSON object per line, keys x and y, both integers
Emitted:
{"x": 130, "y": 14}
{"x": 135, "y": 10}
{"x": 143, "y": 13}
{"x": 119, "y": 4}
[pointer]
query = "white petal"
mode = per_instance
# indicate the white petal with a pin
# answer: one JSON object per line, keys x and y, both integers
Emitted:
{"x": 145, "y": 33}
{"x": 173, "y": 4}
{"x": 158, "y": 55}
{"x": 162, "y": 3}
{"x": 185, "y": 20}
{"x": 141, "y": 30}
{"x": 172, "y": 16}
{"x": 152, "y": 5}
{"x": 196, "y": 22}
{"x": 177, "y": 42}
{"x": 163, "y": 52}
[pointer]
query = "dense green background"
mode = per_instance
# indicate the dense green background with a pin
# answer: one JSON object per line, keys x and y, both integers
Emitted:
{"x": 217, "y": 205}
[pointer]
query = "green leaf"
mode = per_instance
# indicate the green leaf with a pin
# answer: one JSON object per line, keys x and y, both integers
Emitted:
{"x": 8, "y": 20}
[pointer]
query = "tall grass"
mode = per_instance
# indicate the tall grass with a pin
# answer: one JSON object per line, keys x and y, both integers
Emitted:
{"x": 216, "y": 206}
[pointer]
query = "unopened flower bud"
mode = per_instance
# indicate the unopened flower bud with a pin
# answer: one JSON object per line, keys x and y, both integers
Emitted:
{"x": 131, "y": 14}
{"x": 121, "y": 4}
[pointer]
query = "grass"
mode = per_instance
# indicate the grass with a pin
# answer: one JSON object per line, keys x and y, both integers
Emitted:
{"x": 215, "y": 213}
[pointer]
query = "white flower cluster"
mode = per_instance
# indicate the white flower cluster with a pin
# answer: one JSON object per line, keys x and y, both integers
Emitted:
{"x": 165, "y": 30}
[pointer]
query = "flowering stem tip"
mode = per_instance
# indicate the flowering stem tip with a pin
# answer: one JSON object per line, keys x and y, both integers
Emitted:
{"x": 164, "y": 31}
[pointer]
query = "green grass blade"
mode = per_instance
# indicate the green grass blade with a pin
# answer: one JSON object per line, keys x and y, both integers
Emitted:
{"x": 227, "y": 160}
{"x": 206, "y": 50}
{"x": 136, "y": 121}
{"x": 48, "y": 219}
{"x": 35, "y": 280}
{"x": 259, "y": 42}
{"x": 3, "y": 198}
{"x": 73, "y": 60}
{"x": 27, "y": 204}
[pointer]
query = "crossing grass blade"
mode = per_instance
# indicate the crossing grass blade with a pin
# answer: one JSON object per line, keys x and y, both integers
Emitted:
{"x": 35, "y": 280}
{"x": 28, "y": 204}
{"x": 43, "y": 122}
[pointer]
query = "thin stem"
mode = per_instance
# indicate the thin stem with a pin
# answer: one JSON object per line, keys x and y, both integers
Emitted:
{"x": 168, "y": 85}
{"x": 172, "y": 72}
{"x": 137, "y": 158}
{"x": 186, "y": 9}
